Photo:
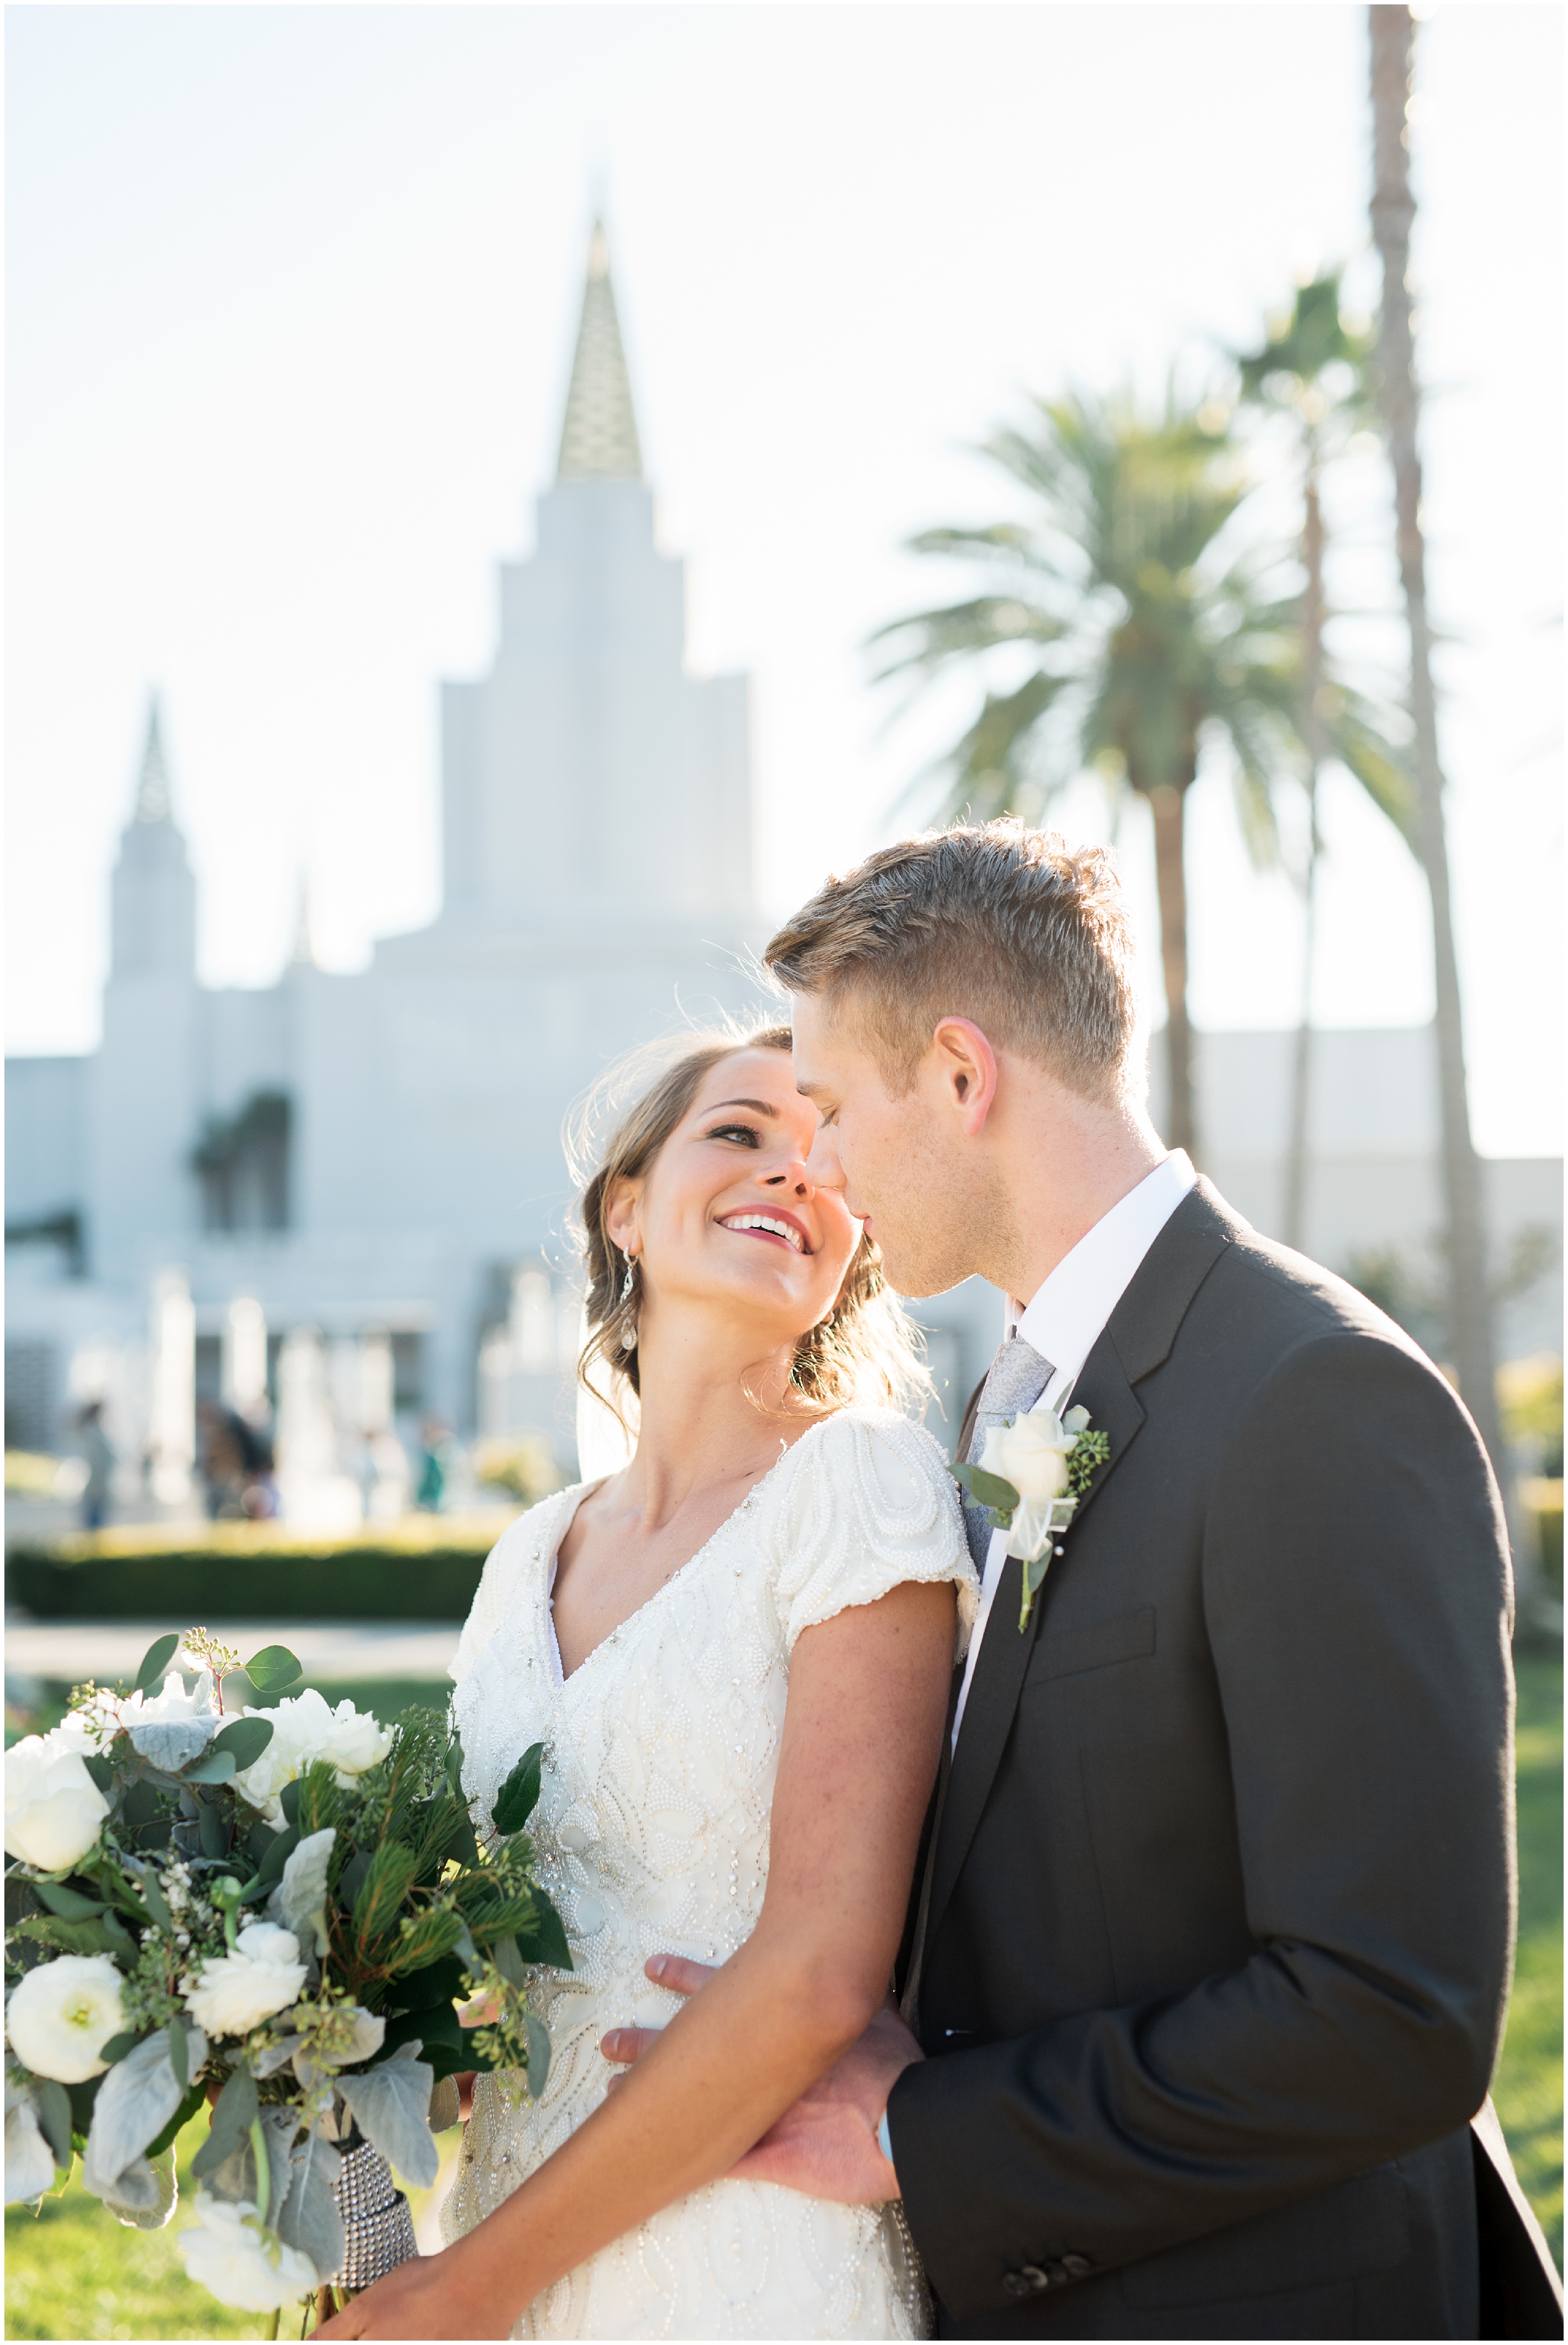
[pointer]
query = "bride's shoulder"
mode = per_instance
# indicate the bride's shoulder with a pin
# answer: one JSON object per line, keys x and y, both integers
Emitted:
{"x": 878, "y": 1446}
{"x": 863, "y": 1502}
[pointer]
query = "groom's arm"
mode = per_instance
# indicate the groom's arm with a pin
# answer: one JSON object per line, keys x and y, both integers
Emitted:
{"x": 1355, "y": 1591}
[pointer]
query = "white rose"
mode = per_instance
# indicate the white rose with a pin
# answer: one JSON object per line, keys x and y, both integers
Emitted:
{"x": 62, "y": 2013}
{"x": 238, "y": 1990}
{"x": 305, "y": 1728}
{"x": 53, "y": 1807}
{"x": 227, "y": 2252}
{"x": 1032, "y": 1455}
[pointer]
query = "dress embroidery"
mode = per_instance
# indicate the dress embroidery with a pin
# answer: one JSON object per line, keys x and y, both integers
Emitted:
{"x": 652, "y": 1835}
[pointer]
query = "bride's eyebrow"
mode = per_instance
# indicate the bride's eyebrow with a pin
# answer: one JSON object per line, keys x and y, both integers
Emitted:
{"x": 758, "y": 1107}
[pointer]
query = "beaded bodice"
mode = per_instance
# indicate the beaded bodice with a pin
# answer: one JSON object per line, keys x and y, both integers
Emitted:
{"x": 652, "y": 1835}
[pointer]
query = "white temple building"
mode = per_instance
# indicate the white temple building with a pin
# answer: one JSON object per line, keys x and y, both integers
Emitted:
{"x": 347, "y": 1193}
{"x": 375, "y": 1159}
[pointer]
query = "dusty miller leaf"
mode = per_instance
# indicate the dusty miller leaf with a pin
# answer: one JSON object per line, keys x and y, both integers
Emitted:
{"x": 391, "y": 2105}
{"x": 135, "y": 2102}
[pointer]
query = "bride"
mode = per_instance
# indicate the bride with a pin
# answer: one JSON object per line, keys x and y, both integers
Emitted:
{"x": 736, "y": 1652}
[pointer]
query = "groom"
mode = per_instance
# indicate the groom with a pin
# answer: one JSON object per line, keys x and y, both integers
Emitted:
{"x": 1209, "y": 1948}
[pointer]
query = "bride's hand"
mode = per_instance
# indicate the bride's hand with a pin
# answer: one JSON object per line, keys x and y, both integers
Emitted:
{"x": 426, "y": 2297}
{"x": 826, "y": 2144}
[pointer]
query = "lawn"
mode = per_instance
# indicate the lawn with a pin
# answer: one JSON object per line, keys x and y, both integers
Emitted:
{"x": 1528, "y": 2090}
{"x": 72, "y": 2272}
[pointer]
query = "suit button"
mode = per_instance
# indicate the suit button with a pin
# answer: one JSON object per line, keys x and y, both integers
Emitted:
{"x": 1027, "y": 2280}
{"x": 1076, "y": 2267}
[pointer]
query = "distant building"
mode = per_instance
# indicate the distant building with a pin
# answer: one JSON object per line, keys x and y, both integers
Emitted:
{"x": 354, "y": 1184}
{"x": 379, "y": 1154}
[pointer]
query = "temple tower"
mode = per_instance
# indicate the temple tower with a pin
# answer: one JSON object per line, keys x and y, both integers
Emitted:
{"x": 143, "y": 1090}
{"x": 589, "y": 774}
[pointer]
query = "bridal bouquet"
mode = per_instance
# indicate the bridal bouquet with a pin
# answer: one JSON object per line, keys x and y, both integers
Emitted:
{"x": 275, "y": 1912}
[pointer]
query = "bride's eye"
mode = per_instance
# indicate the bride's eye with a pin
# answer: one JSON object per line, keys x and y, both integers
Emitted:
{"x": 745, "y": 1133}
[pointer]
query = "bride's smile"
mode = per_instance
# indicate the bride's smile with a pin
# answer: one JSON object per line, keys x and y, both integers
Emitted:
{"x": 727, "y": 1222}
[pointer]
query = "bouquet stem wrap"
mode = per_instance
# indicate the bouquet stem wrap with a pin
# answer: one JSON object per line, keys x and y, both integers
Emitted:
{"x": 377, "y": 2221}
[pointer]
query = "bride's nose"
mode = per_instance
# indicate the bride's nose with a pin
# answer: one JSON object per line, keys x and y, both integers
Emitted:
{"x": 793, "y": 1175}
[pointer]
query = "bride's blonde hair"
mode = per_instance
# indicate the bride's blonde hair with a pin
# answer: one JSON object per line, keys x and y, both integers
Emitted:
{"x": 866, "y": 1350}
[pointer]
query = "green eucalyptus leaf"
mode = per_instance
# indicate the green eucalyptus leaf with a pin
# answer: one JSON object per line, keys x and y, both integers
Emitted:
{"x": 100, "y": 1768}
{"x": 288, "y": 1801}
{"x": 155, "y": 1663}
{"x": 179, "y": 2055}
{"x": 548, "y": 1938}
{"x": 245, "y": 1740}
{"x": 518, "y": 1795}
{"x": 213, "y": 1836}
{"x": 156, "y": 1903}
{"x": 273, "y": 1670}
{"x": 68, "y": 1903}
{"x": 235, "y": 2106}
{"x": 54, "y": 2107}
{"x": 193, "y": 2101}
{"x": 987, "y": 1489}
{"x": 118, "y": 2046}
{"x": 216, "y": 1767}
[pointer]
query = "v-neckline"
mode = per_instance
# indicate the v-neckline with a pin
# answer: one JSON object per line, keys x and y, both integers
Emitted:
{"x": 551, "y": 1562}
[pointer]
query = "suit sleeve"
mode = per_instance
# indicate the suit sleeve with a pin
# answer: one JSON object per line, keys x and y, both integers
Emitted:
{"x": 1355, "y": 1594}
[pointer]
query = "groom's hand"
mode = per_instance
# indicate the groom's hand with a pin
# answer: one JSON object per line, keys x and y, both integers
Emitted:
{"x": 826, "y": 2144}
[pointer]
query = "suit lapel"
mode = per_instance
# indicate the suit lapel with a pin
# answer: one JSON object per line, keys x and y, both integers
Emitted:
{"x": 999, "y": 1672}
{"x": 1136, "y": 1340}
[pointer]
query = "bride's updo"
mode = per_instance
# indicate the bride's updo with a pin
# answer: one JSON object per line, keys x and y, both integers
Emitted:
{"x": 866, "y": 1350}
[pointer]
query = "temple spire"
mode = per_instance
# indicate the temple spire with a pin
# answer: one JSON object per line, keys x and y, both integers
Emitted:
{"x": 599, "y": 438}
{"x": 154, "y": 803}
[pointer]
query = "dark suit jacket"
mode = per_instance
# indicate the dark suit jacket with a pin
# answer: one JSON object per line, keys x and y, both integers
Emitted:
{"x": 1213, "y": 1972}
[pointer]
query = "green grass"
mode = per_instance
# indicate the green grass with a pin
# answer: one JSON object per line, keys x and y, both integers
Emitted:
{"x": 71, "y": 2271}
{"x": 1528, "y": 2089}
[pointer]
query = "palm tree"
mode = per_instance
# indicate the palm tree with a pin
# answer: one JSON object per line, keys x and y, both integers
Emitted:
{"x": 1123, "y": 630}
{"x": 1312, "y": 368}
{"x": 1393, "y": 211}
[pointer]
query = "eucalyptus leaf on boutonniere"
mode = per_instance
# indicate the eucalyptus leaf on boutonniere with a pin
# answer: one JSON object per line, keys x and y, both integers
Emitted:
{"x": 1029, "y": 1479}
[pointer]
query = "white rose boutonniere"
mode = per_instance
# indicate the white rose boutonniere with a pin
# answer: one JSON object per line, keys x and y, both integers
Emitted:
{"x": 1031, "y": 1474}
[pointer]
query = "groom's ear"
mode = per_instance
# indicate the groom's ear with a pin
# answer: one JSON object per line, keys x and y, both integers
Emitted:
{"x": 964, "y": 1067}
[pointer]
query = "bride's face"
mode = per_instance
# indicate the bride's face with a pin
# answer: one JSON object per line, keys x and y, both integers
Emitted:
{"x": 729, "y": 1212}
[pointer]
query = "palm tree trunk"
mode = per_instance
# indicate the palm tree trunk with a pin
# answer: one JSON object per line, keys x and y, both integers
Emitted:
{"x": 1169, "y": 806}
{"x": 1295, "y": 1215}
{"x": 1393, "y": 210}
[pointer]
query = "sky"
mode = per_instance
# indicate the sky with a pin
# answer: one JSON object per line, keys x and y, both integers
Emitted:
{"x": 291, "y": 297}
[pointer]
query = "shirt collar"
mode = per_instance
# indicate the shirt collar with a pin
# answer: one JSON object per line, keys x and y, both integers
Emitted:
{"x": 1067, "y": 1315}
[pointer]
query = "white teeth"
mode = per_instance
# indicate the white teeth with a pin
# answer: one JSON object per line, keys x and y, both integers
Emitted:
{"x": 763, "y": 1222}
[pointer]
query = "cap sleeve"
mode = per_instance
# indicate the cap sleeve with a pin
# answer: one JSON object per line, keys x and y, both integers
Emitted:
{"x": 869, "y": 1505}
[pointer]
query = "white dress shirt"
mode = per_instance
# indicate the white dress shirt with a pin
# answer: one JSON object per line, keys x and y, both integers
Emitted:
{"x": 1067, "y": 1316}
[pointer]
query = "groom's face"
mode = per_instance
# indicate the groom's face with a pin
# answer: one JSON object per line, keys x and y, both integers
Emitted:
{"x": 894, "y": 1161}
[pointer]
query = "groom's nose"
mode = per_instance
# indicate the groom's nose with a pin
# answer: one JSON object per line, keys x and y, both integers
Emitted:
{"x": 823, "y": 1169}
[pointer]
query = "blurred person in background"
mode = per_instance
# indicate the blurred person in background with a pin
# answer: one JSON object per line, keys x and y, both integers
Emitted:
{"x": 98, "y": 1454}
{"x": 435, "y": 1466}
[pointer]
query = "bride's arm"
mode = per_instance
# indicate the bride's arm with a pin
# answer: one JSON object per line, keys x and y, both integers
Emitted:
{"x": 867, "y": 1696}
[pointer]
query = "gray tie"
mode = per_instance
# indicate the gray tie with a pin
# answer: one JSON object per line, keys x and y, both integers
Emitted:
{"x": 1018, "y": 1376}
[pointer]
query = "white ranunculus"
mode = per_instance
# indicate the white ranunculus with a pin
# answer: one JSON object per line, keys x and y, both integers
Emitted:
{"x": 61, "y": 2015}
{"x": 53, "y": 1807}
{"x": 227, "y": 2252}
{"x": 1031, "y": 1454}
{"x": 305, "y": 1728}
{"x": 264, "y": 1974}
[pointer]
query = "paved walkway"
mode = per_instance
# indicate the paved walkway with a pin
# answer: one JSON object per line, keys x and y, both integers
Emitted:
{"x": 73, "y": 1649}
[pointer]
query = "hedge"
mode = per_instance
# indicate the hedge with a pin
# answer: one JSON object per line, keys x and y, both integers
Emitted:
{"x": 230, "y": 1572}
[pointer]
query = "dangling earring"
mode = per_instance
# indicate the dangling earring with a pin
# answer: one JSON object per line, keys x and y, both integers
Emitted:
{"x": 629, "y": 1333}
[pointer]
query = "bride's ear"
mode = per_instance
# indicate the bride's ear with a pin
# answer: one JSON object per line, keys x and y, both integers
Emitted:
{"x": 621, "y": 1215}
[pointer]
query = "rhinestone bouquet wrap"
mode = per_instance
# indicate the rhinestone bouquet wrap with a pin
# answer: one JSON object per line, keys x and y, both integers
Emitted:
{"x": 377, "y": 2221}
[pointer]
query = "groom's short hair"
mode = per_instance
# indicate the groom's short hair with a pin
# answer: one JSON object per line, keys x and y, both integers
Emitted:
{"x": 1010, "y": 927}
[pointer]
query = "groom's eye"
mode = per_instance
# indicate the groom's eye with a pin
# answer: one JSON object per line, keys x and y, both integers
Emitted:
{"x": 745, "y": 1133}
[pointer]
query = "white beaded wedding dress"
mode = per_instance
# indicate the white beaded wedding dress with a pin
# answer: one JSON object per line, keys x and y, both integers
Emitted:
{"x": 652, "y": 1834}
